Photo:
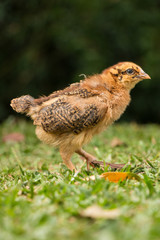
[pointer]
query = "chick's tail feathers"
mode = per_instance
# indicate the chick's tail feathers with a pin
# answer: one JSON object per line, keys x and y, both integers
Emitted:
{"x": 22, "y": 104}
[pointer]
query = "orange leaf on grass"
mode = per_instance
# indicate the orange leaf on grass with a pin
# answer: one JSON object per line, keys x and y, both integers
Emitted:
{"x": 119, "y": 176}
{"x": 116, "y": 176}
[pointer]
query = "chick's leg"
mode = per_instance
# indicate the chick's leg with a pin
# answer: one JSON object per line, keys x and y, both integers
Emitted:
{"x": 66, "y": 156}
{"x": 91, "y": 160}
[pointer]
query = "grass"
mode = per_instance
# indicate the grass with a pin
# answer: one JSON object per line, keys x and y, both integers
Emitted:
{"x": 40, "y": 198}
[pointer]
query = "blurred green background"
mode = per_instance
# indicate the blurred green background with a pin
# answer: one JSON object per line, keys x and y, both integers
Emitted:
{"x": 45, "y": 45}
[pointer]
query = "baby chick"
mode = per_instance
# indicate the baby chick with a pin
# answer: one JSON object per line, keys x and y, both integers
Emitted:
{"x": 69, "y": 118}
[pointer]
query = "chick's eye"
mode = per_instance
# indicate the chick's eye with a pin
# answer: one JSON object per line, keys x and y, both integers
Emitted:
{"x": 130, "y": 71}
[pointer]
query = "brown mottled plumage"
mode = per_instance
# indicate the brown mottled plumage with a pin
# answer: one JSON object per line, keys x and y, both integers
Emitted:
{"x": 69, "y": 118}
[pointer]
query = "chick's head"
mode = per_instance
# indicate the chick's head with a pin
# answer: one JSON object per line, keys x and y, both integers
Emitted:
{"x": 127, "y": 74}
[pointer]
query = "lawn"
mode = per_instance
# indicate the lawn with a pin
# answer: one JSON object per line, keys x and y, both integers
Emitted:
{"x": 41, "y": 199}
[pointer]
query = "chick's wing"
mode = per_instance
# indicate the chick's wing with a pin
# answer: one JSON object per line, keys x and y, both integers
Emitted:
{"x": 68, "y": 116}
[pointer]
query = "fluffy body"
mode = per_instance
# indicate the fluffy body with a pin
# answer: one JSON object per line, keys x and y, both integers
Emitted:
{"x": 69, "y": 118}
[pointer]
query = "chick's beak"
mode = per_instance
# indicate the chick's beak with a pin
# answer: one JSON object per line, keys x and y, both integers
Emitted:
{"x": 144, "y": 75}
